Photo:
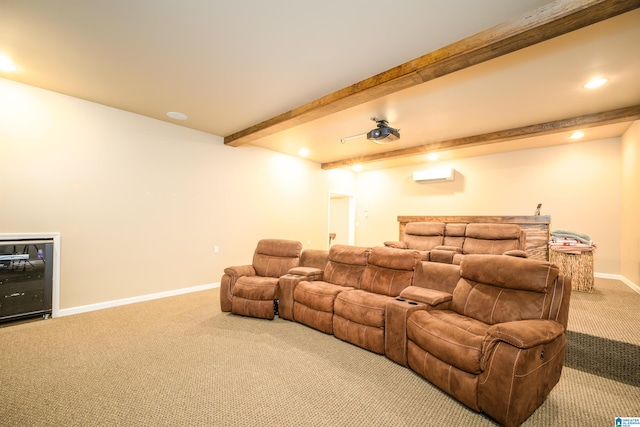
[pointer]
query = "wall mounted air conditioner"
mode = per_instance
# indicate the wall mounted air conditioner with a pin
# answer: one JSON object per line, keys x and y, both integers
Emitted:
{"x": 434, "y": 175}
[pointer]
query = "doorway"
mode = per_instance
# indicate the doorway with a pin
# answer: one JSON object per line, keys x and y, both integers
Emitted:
{"x": 341, "y": 228}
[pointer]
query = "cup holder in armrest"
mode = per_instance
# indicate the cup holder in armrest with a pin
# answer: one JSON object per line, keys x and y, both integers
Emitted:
{"x": 412, "y": 303}
{"x": 400, "y": 299}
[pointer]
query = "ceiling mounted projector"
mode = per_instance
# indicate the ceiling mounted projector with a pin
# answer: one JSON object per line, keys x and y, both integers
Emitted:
{"x": 383, "y": 134}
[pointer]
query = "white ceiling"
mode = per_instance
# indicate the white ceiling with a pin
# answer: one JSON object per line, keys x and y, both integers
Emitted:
{"x": 229, "y": 65}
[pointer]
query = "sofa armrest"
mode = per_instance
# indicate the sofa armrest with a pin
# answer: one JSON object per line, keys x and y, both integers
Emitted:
{"x": 240, "y": 270}
{"x": 525, "y": 333}
{"x": 287, "y": 285}
{"x": 397, "y": 245}
{"x": 521, "y": 362}
{"x": 430, "y": 297}
{"x": 455, "y": 249}
{"x": 517, "y": 253}
{"x": 444, "y": 254}
{"x": 307, "y": 273}
{"x": 228, "y": 280}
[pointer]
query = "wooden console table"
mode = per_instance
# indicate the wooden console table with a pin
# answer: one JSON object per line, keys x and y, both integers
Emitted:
{"x": 535, "y": 226}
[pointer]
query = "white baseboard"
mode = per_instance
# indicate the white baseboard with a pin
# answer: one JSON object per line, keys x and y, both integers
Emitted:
{"x": 141, "y": 298}
{"x": 620, "y": 277}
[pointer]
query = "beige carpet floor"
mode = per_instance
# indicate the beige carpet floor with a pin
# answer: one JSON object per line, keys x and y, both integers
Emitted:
{"x": 179, "y": 361}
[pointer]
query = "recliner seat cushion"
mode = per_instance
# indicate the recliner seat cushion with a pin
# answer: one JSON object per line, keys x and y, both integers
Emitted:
{"x": 318, "y": 295}
{"x": 362, "y": 307}
{"x": 255, "y": 287}
{"x": 454, "y": 339}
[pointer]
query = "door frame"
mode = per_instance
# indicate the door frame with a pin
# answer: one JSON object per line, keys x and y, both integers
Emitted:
{"x": 351, "y": 237}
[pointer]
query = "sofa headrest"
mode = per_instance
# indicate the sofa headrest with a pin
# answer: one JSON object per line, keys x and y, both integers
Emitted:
{"x": 493, "y": 231}
{"x": 279, "y": 248}
{"x": 424, "y": 228}
{"x": 509, "y": 272}
{"x": 397, "y": 259}
{"x": 316, "y": 258}
{"x": 346, "y": 254}
{"x": 455, "y": 229}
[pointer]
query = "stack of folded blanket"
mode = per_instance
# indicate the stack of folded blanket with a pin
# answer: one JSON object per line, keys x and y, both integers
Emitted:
{"x": 571, "y": 242}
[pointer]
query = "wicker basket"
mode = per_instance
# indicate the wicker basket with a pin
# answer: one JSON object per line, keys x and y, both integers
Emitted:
{"x": 577, "y": 266}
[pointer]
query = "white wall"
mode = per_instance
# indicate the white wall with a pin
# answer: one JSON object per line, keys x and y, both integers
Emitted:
{"x": 140, "y": 203}
{"x": 579, "y": 185}
{"x": 630, "y": 227}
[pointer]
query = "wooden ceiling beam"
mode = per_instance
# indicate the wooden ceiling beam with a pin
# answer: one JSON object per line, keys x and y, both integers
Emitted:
{"x": 547, "y": 22}
{"x": 574, "y": 123}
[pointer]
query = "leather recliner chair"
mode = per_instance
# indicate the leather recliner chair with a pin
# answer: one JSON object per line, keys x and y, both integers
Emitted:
{"x": 250, "y": 290}
{"x": 313, "y": 301}
{"x": 499, "y": 348}
{"x": 359, "y": 314}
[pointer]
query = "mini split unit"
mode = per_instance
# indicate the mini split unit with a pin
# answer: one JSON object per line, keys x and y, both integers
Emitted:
{"x": 434, "y": 175}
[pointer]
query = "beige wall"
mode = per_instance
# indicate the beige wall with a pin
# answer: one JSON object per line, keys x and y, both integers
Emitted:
{"x": 630, "y": 259}
{"x": 578, "y": 185}
{"x": 140, "y": 203}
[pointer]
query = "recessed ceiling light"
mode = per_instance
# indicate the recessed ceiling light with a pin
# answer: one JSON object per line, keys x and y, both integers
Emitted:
{"x": 6, "y": 64}
{"x": 432, "y": 157}
{"x": 304, "y": 152}
{"x": 177, "y": 116}
{"x": 357, "y": 168}
{"x": 577, "y": 135}
{"x": 595, "y": 82}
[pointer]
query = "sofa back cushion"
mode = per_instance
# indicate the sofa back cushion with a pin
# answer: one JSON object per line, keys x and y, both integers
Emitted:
{"x": 346, "y": 265}
{"x": 274, "y": 257}
{"x": 454, "y": 233}
{"x": 423, "y": 236}
{"x": 499, "y": 288}
{"x": 389, "y": 270}
{"x": 437, "y": 275}
{"x": 314, "y": 258}
{"x": 493, "y": 239}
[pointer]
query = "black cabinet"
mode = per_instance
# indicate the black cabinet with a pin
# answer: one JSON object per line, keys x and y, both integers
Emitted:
{"x": 26, "y": 279}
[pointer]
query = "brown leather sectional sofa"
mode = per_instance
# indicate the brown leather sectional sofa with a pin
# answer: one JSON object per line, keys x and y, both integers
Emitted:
{"x": 490, "y": 332}
{"x": 450, "y": 242}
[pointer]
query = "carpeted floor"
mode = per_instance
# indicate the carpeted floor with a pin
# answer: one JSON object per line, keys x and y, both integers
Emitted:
{"x": 179, "y": 361}
{"x": 604, "y": 332}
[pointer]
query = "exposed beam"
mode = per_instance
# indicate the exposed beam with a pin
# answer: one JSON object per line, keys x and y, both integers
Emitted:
{"x": 581, "y": 122}
{"x": 547, "y": 22}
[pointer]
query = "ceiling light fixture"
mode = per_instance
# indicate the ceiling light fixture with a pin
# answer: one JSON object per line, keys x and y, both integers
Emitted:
{"x": 432, "y": 157}
{"x": 304, "y": 152}
{"x": 595, "y": 82}
{"x": 577, "y": 135}
{"x": 177, "y": 116}
{"x": 6, "y": 64}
